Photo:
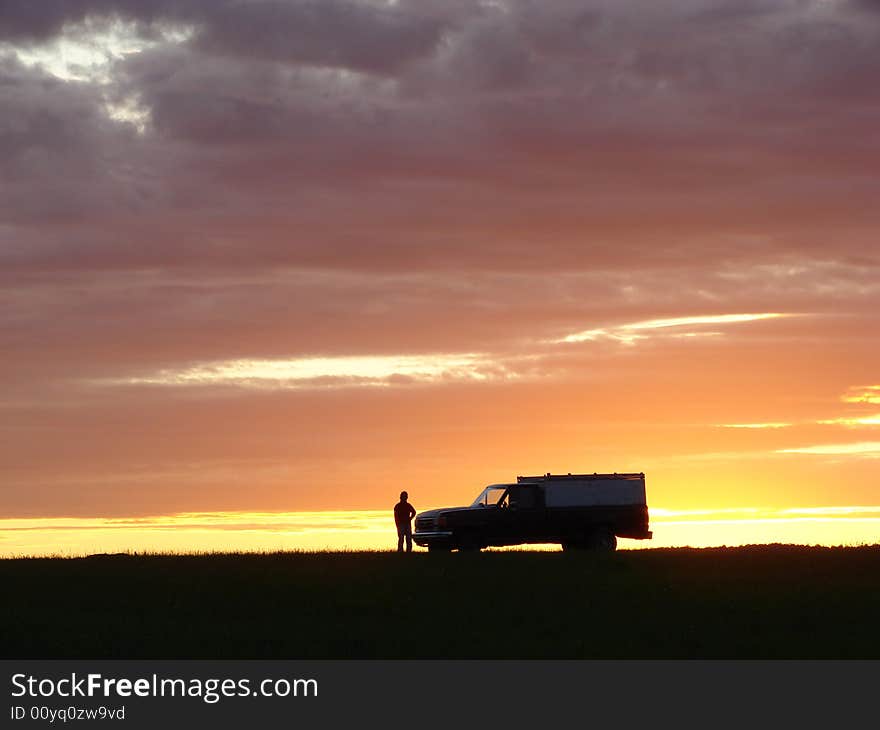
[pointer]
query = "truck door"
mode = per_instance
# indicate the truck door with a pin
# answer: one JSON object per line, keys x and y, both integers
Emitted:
{"x": 527, "y": 516}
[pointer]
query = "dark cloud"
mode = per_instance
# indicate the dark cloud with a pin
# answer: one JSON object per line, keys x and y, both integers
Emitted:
{"x": 330, "y": 33}
{"x": 30, "y": 22}
{"x": 376, "y": 37}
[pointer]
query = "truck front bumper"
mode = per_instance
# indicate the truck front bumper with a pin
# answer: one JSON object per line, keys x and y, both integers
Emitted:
{"x": 422, "y": 539}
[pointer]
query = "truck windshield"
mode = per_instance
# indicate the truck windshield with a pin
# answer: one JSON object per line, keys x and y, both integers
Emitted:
{"x": 490, "y": 497}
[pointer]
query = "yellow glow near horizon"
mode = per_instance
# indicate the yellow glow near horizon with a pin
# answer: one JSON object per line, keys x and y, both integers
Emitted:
{"x": 374, "y": 530}
{"x": 629, "y": 333}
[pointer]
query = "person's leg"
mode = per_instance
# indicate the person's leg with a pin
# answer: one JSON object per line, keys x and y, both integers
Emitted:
{"x": 408, "y": 538}
{"x": 399, "y": 540}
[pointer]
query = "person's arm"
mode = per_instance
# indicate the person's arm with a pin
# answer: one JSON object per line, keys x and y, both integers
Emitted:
{"x": 412, "y": 511}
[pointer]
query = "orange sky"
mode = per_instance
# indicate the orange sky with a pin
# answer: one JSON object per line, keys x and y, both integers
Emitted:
{"x": 432, "y": 246}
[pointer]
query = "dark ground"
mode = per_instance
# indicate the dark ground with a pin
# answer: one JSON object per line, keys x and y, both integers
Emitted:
{"x": 768, "y": 601}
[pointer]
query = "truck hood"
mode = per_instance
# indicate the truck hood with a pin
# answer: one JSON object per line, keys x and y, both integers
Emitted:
{"x": 443, "y": 511}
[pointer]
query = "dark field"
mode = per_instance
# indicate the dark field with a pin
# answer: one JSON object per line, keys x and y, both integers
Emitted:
{"x": 753, "y": 602}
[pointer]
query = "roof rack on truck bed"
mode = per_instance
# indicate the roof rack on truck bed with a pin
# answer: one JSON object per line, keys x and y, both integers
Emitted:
{"x": 579, "y": 477}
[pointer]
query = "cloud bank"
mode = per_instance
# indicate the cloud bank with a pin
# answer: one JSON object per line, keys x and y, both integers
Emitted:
{"x": 349, "y": 188}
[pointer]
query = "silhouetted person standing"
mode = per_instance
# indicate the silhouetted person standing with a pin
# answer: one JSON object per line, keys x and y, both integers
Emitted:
{"x": 403, "y": 514}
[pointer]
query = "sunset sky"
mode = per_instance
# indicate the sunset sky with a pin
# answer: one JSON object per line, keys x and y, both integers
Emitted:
{"x": 292, "y": 257}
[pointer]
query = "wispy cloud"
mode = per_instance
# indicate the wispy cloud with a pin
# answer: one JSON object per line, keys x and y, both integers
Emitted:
{"x": 329, "y": 372}
{"x": 400, "y": 369}
{"x": 754, "y": 425}
{"x": 863, "y": 448}
{"x": 863, "y": 394}
{"x": 630, "y": 333}
{"x": 834, "y": 511}
{"x": 853, "y": 422}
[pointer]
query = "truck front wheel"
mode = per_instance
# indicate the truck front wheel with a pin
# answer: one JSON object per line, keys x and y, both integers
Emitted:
{"x": 469, "y": 543}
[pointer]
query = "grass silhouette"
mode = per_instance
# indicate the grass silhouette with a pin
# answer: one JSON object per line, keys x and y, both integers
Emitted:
{"x": 765, "y": 601}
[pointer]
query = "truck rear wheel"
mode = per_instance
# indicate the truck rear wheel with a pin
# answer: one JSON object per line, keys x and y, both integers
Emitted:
{"x": 603, "y": 540}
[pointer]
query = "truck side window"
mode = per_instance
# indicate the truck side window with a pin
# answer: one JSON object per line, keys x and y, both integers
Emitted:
{"x": 523, "y": 497}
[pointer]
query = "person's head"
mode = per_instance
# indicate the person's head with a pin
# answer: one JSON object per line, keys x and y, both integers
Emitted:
{"x": 403, "y": 496}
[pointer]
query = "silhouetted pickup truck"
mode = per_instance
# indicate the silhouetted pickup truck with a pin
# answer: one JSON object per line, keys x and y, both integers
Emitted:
{"x": 579, "y": 511}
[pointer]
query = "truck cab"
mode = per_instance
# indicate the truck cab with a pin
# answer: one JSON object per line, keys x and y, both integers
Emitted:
{"x": 579, "y": 511}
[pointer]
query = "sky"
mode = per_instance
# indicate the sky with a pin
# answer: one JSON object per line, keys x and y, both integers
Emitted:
{"x": 266, "y": 256}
